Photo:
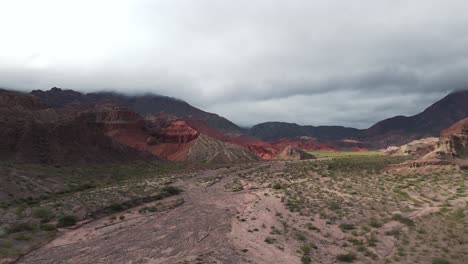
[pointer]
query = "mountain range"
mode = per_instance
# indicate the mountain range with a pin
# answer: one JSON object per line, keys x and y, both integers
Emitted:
{"x": 60, "y": 125}
{"x": 392, "y": 131}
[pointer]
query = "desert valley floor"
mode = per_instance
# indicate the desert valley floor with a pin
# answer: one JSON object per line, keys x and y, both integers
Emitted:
{"x": 346, "y": 209}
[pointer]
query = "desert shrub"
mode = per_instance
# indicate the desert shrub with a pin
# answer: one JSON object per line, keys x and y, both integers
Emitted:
{"x": 345, "y": 227}
{"x": 5, "y": 244}
{"x": 306, "y": 250}
{"x": 457, "y": 215}
{"x": 235, "y": 185}
{"x": 394, "y": 232}
{"x": 372, "y": 241}
{"x": 43, "y": 214}
{"x": 348, "y": 257}
{"x": 370, "y": 254}
{"x": 270, "y": 240}
{"x": 305, "y": 259}
{"x": 293, "y": 204}
{"x": 301, "y": 237}
{"x": 115, "y": 207}
{"x": 374, "y": 223}
{"x": 19, "y": 227}
{"x": 48, "y": 227}
{"x": 277, "y": 186}
{"x": 67, "y": 220}
{"x": 440, "y": 261}
{"x": 312, "y": 227}
{"x": 403, "y": 220}
{"x": 23, "y": 237}
{"x": 334, "y": 206}
{"x": 171, "y": 190}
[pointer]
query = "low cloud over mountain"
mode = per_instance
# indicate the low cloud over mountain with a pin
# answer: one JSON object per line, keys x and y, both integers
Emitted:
{"x": 309, "y": 62}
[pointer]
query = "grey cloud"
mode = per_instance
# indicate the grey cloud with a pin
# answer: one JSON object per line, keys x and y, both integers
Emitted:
{"x": 310, "y": 62}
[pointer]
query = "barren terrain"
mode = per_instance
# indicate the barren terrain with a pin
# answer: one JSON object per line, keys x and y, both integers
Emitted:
{"x": 345, "y": 209}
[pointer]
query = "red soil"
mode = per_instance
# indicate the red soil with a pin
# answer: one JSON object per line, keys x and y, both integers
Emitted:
{"x": 172, "y": 139}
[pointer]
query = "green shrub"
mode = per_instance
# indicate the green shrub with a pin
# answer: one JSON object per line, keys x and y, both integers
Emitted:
{"x": 440, "y": 261}
{"x": 349, "y": 257}
{"x": 270, "y": 240}
{"x": 301, "y": 237}
{"x": 345, "y": 227}
{"x": 277, "y": 186}
{"x": 394, "y": 232}
{"x": 171, "y": 190}
{"x": 48, "y": 227}
{"x": 374, "y": 223}
{"x": 43, "y": 214}
{"x": 115, "y": 207}
{"x": 23, "y": 237}
{"x": 67, "y": 220}
{"x": 403, "y": 220}
{"x": 305, "y": 259}
{"x": 19, "y": 227}
{"x": 6, "y": 244}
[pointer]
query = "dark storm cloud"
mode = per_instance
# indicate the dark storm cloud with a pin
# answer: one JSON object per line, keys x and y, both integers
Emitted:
{"x": 311, "y": 62}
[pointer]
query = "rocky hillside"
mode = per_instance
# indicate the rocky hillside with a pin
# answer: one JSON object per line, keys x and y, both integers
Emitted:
{"x": 210, "y": 150}
{"x": 147, "y": 104}
{"x": 451, "y": 153}
{"x": 397, "y": 130}
{"x": 454, "y": 140}
{"x": 31, "y": 132}
{"x": 401, "y": 129}
{"x": 105, "y": 131}
{"x": 418, "y": 148}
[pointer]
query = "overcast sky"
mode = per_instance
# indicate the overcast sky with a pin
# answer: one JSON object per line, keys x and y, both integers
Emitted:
{"x": 312, "y": 62}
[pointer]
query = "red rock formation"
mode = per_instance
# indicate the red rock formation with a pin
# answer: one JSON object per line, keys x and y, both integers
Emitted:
{"x": 261, "y": 148}
{"x": 177, "y": 132}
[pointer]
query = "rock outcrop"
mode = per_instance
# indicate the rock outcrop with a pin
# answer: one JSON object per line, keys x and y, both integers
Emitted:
{"x": 451, "y": 153}
{"x": 291, "y": 153}
{"x": 177, "y": 132}
{"x": 210, "y": 150}
{"x": 417, "y": 148}
{"x": 453, "y": 141}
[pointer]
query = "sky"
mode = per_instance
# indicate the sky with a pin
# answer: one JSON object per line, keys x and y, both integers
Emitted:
{"x": 322, "y": 62}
